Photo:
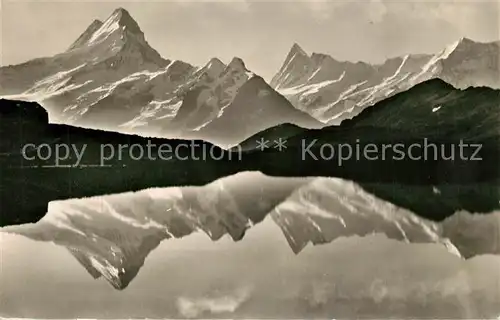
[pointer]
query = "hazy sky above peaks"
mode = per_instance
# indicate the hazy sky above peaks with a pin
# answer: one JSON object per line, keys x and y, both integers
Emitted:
{"x": 260, "y": 32}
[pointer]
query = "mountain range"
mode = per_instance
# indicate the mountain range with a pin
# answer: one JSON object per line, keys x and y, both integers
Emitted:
{"x": 433, "y": 110}
{"x": 111, "y": 236}
{"x": 110, "y": 78}
{"x": 332, "y": 90}
{"x": 112, "y": 83}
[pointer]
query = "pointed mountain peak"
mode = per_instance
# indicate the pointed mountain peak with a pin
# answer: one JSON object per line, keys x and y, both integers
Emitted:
{"x": 121, "y": 13}
{"x": 296, "y": 49}
{"x": 237, "y": 64}
{"x": 215, "y": 63}
{"x": 123, "y": 18}
{"x": 296, "y": 52}
{"x": 178, "y": 67}
{"x": 461, "y": 43}
{"x": 119, "y": 23}
{"x": 121, "y": 10}
{"x": 213, "y": 68}
{"x": 178, "y": 64}
{"x": 296, "y": 59}
{"x": 86, "y": 35}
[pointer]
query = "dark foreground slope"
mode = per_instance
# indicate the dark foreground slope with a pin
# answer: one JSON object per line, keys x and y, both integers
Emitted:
{"x": 434, "y": 187}
{"x": 421, "y": 122}
{"x": 434, "y": 131}
{"x": 28, "y": 183}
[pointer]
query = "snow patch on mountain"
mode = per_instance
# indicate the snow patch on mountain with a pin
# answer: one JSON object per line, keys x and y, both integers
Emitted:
{"x": 311, "y": 88}
{"x": 331, "y": 99}
{"x": 432, "y": 66}
{"x": 104, "y": 31}
{"x": 111, "y": 79}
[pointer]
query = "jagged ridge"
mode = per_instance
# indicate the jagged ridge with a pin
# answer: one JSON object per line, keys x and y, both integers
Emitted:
{"x": 332, "y": 90}
{"x": 112, "y": 79}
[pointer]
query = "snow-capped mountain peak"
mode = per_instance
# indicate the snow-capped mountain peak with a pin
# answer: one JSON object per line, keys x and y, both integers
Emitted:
{"x": 468, "y": 46}
{"x": 296, "y": 63}
{"x": 205, "y": 74}
{"x": 232, "y": 105}
{"x": 451, "y": 48}
{"x": 237, "y": 64}
{"x": 235, "y": 75}
{"x": 121, "y": 22}
{"x": 296, "y": 49}
{"x": 215, "y": 63}
{"x": 112, "y": 79}
{"x": 331, "y": 91}
{"x": 124, "y": 19}
{"x": 213, "y": 68}
{"x": 468, "y": 63}
{"x": 119, "y": 27}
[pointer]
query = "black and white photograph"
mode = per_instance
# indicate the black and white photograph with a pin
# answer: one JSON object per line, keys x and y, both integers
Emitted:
{"x": 250, "y": 159}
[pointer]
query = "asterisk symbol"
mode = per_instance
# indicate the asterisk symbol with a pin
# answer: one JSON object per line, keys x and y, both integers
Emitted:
{"x": 280, "y": 144}
{"x": 262, "y": 144}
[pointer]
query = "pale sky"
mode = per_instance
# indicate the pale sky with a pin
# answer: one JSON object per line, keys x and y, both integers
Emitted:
{"x": 260, "y": 32}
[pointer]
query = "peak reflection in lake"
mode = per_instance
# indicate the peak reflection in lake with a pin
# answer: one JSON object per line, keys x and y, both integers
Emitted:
{"x": 257, "y": 277}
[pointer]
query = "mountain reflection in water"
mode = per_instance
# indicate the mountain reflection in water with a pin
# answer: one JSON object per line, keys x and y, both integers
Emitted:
{"x": 258, "y": 277}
